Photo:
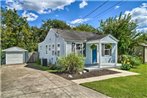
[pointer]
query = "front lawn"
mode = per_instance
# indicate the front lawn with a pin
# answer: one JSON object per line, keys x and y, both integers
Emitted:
{"x": 123, "y": 87}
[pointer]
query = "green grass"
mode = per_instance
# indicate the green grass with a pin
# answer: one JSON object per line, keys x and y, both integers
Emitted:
{"x": 123, "y": 87}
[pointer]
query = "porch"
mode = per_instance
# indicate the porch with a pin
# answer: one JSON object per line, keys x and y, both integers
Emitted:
{"x": 101, "y": 53}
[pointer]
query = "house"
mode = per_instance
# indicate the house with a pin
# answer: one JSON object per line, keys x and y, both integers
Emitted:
{"x": 99, "y": 50}
{"x": 144, "y": 53}
{"x": 15, "y": 55}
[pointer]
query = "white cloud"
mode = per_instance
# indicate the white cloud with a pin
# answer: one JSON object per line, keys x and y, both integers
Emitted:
{"x": 83, "y": 4}
{"x": 80, "y": 20}
{"x": 29, "y": 16}
{"x": 40, "y": 6}
{"x": 144, "y": 4}
{"x": 139, "y": 15}
{"x": 142, "y": 30}
{"x": 116, "y": 7}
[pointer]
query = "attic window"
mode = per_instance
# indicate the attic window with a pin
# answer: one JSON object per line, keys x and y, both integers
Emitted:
{"x": 58, "y": 45}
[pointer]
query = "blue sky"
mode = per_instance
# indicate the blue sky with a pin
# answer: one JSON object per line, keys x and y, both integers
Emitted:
{"x": 73, "y": 12}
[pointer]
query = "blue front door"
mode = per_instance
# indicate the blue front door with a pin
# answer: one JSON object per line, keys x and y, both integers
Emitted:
{"x": 94, "y": 55}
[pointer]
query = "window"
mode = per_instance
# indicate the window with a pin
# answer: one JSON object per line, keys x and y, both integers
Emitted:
{"x": 106, "y": 49}
{"x": 73, "y": 47}
{"x": 84, "y": 49}
{"x": 53, "y": 52}
{"x": 46, "y": 49}
{"x": 53, "y": 46}
{"x": 79, "y": 48}
{"x": 49, "y": 47}
{"x": 58, "y": 45}
{"x": 58, "y": 53}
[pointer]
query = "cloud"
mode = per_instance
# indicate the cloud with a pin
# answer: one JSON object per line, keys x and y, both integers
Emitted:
{"x": 144, "y": 4}
{"x": 139, "y": 15}
{"x": 29, "y": 16}
{"x": 142, "y": 30}
{"x": 79, "y": 21}
{"x": 116, "y": 7}
{"x": 83, "y": 4}
{"x": 40, "y": 6}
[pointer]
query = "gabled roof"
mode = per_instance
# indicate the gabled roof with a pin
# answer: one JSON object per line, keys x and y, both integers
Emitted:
{"x": 14, "y": 49}
{"x": 71, "y": 35}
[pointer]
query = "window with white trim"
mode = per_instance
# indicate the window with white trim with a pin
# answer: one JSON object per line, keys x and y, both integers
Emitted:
{"x": 106, "y": 49}
{"x": 79, "y": 48}
{"x": 46, "y": 49}
{"x": 53, "y": 46}
{"x": 58, "y": 45}
{"x": 58, "y": 53}
{"x": 53, "y": 52}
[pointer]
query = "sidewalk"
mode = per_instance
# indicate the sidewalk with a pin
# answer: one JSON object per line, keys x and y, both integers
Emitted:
{"x": 99, "y": 78}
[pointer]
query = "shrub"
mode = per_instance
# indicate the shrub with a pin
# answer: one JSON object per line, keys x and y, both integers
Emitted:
{"x": 129, "y": 61}
{"x": 126, "y": 67}
{"x": 72, "y": 63}
{"x": 135, "y": 61}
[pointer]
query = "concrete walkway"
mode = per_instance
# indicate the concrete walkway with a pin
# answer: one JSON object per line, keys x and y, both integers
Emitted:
{"x": 18, "y": 81}
{"x": 99, "y": 78}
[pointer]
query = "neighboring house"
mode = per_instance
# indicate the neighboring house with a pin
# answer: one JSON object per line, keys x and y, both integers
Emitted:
{"x": 15, "y": 55}
{"x": 60, "y": 43}
{"x": 144, "y": 53}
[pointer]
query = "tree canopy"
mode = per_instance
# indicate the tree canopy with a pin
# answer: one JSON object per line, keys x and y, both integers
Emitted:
{"x": 15, "y": 31}
{"x": 125, "y": 31}
{"x": 86, "y": 28}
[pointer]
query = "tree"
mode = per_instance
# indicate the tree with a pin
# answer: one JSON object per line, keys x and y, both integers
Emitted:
{"x": 124, "y": 30}
{"x": 86, "y": 28}
{"x": 15, "y": 30}
{"x": 51, "y": 24}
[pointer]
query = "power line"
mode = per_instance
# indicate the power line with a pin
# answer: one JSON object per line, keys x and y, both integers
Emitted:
{"x": 107, "y": 9}
{"x": 96, "y": 9}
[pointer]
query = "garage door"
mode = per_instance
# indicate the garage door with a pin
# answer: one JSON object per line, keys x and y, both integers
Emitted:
{"x": 14, "y": 58}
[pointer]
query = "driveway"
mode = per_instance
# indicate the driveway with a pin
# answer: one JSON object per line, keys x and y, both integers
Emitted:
{"x": 18, "y": 81}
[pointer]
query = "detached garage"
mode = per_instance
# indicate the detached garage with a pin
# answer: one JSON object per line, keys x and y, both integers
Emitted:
{"x": 15, "y": 55}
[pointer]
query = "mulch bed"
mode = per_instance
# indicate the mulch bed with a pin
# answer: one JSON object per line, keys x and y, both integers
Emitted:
{"x": 93, "y": 73}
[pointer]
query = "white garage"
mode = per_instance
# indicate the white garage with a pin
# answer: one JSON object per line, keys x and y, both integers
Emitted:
{"x": 15, "y": 55}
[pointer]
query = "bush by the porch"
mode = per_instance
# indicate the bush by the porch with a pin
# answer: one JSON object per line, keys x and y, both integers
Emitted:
{"x": 129, "y": 61}
{"x": 126, "y": 67}
{"x": 72, "y": 63}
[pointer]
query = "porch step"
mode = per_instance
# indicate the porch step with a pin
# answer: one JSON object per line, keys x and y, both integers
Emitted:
{"x": 92, "y": 68}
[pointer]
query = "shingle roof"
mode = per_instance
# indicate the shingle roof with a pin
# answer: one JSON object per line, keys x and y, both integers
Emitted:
{"x": 71, "y": 35}
{"x": 14, "y": 49}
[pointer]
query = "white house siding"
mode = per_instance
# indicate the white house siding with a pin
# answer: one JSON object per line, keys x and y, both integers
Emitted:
{"x": 51, "y": 39}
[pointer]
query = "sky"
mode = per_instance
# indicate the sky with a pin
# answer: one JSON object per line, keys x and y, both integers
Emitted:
{"x": 75, "y": 12}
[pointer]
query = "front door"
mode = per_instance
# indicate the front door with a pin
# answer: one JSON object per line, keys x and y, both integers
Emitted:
{"x": 94, "y": 55}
